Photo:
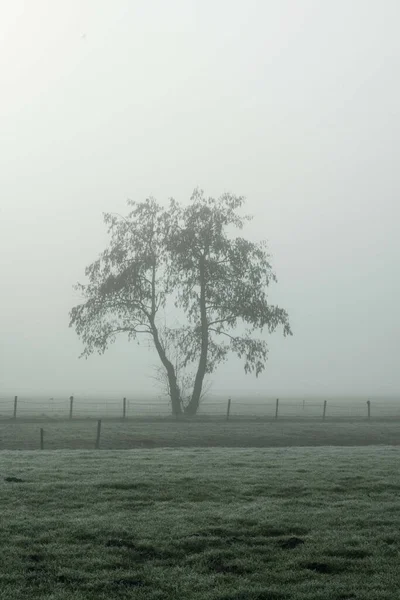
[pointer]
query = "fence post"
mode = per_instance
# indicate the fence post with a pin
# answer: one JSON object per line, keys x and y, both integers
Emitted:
{"x": 124, "y": 408}
{"x": 369, "y": 409}
{"x": 277, "y": 407}
{"x": 324, "y": 412}
{"x": 228, "y": 410}
{"x": 98, "y": 434}
{"x": 71, "y": 406}
{"x": 15, "y": 407}
{"x": 41, "y": 438}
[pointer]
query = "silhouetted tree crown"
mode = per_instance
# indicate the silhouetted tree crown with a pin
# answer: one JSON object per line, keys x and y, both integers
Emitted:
{"x": 184, "y": 255}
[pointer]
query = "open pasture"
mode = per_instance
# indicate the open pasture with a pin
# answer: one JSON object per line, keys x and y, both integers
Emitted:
{"x": 198, "y": 524}
{"x": 144, "y": 433}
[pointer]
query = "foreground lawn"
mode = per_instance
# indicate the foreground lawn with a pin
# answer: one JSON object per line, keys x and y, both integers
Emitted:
{"x": 221, "y": 524}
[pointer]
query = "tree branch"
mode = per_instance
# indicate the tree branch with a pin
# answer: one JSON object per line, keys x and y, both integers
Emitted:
{"x": 221, "y": 332}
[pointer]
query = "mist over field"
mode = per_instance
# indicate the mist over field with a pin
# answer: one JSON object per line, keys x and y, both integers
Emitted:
{"x": 292, "y": 104}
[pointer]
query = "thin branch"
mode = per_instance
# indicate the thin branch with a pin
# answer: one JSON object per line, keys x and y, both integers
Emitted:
{"x": 125, "y": 330}
{"x": 225, "y": 320}
{"x": 232, "y": 337}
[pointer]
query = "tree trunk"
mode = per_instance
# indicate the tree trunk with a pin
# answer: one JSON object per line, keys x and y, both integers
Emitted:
{"x": 193, "y": 405}
{"x": 174, "y": 390}
{"x": 175, "y": 394}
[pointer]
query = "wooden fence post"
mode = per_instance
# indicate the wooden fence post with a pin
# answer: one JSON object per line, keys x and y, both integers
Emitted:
{"x": 324, "y": 411}
{"x": 41, "y": 438}
{"x": 228, "y": 410}
{"x": 71, "y": 406}
{"x": 369, "y": 409}
{"x": 15, "y": 407}
{"x": 276, "y": 408}
{"x": 98, "y": 434}
{"x": 124, "y": 408}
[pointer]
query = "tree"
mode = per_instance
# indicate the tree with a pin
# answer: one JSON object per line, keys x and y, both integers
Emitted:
{"x": 185, "y": 255}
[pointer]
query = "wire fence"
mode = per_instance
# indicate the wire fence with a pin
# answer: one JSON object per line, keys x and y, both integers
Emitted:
{"x": 76, "y": 407}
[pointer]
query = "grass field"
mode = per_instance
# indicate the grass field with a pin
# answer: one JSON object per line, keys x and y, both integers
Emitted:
{"x": 218, "y": 524}
{"x": 25, "y": 435}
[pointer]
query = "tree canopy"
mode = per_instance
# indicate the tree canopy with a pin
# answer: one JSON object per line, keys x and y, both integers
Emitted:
{"x": 185, "y": 255}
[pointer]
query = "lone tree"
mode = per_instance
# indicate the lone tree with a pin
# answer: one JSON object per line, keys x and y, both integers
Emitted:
{"x": 186, "y": 257}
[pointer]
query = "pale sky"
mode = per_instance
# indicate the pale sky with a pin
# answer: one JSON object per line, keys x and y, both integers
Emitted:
{"x": 292, "y": 103}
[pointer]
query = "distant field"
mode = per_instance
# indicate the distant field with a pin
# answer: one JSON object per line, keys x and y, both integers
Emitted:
{"x": 277, "y": 524}
{"x": 215, "y": 406}
{"x": 136, "y": 433}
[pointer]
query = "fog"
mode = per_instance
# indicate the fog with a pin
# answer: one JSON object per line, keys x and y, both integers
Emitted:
{"x": 292, "y": 103}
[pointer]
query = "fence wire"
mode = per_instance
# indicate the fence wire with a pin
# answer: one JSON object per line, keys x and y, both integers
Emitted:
{"x": 113, "y": 408}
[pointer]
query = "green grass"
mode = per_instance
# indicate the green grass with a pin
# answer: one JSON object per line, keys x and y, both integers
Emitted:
{"x": 220, "y": 524}
{"x": 25, "y": 435}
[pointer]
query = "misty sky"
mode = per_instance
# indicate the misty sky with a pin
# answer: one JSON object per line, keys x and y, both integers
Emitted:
{"x": 292, "y": 103}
